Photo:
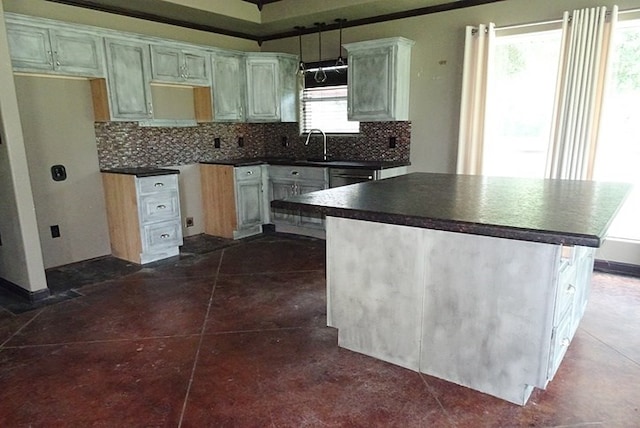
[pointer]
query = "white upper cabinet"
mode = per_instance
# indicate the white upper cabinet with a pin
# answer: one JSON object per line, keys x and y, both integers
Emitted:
{"x": 178, "y": 65}
{"x": 57, "y": 51}
{"x": 128, "y": 79}
{"x": 228, "y": 86}
{"x": 263, "y": 89}
{"x": 378, "y": 82}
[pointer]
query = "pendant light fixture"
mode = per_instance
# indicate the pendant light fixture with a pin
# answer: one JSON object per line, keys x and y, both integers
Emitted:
{"x": 340, "y": 60}
{"x": 301, "y": 63}
{"x": 320, "y": 76}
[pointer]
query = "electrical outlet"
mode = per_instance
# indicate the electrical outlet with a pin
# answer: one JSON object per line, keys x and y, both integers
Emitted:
{"x": 285, "y": 141}
{"x": 189, "y": 222}
{"x": 240, "y": 141}
{"x": 55, "y": 231}
{"x": 392, "y": 142}
{"x": 216, "y": 143}
{"x": 0, "y": 240}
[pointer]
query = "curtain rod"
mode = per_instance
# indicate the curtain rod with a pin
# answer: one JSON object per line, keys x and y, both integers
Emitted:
{"x": 556, "y": 21}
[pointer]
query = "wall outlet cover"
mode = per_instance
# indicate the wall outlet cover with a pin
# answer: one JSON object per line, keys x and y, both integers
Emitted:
{"x": 392, "y": 142}
{"x": 55, "y": 231}
{"x": 189, "y": 222}
{"x": 216, "y": 143}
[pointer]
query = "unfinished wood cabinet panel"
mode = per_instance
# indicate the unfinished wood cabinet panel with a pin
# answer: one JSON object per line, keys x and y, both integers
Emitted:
{"x": 203, "y": 104}
{"x": 218, "y": 200}
{"x": 122, "y": 213}
{"x": 100, "y": 98}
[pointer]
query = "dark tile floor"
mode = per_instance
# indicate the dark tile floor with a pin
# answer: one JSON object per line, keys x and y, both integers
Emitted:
{"x": 236, "y": 336}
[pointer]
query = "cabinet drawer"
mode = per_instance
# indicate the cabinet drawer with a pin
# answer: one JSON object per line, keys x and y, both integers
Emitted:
{"x": 157, "y": 183}
{"x": 566, "y": 291}
{"x": 298, "y": 173}
{"x": 560, "y": 341}
{"x": 159, "y": 206}
{"x": 160, "y": 235}
{"x": 244, "y": 173}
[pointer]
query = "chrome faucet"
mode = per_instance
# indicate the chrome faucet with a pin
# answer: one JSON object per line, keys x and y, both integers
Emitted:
{"x": 324, "y": 141}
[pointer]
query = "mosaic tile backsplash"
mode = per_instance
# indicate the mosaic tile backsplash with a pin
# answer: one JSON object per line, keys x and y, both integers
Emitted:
{"x": 125, "y": 144}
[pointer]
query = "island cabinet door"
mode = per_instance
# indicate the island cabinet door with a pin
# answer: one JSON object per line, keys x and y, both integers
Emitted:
{"x": 311, "y": 219}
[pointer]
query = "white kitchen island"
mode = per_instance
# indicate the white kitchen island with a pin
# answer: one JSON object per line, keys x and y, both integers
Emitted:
{"x": 479, "y": 281}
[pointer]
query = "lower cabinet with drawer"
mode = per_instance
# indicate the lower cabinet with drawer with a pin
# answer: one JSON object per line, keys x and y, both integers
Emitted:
{"x": 144, "y": 215}
{"x": 233, "y": 200}
{"x": 285, "y": 181}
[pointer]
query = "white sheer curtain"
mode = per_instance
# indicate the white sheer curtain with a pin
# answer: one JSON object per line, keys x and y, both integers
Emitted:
{"x": 477, "y": 52}
{"x": 585, "y": 52}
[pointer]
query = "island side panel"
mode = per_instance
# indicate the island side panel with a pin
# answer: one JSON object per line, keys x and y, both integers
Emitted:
{"x": 488, "y": 312}
{"x": 375, "y": 277}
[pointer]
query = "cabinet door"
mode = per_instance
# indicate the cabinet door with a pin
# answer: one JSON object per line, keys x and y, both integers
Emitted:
{"x": 128, "y": 75}
{"x": 249, "y": 203}
{"x": 77, "y": 53}
{"x": 166, "y": 64}
{"x": 263, "y": 93}
{"x": 370, "y": 85}
{"x": 289, "y": 89}
{"x": 228, "y": 85}
{"x": 196, "y": 69}
{"x": 280, "y": 189}
{"x": 30, "y": 47}
{"x": 311, "y": 219}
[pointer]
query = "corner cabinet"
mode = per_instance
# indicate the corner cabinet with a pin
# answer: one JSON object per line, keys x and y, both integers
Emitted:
{"x": 128, "y": 77}
{"x": 144, "y": 216}
{"x": 286, "y": 181}
{"x": 232, "y": 199}
{"x": 378, "y": 79}
{"x": 35, "y": 48}
{"x": 179, "y": 65}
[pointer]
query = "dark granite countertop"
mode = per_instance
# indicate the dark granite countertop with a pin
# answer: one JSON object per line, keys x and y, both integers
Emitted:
{"x": 550, "y": 211}
{"x": 141, "y": 171}
{"x": 353, "y": 164}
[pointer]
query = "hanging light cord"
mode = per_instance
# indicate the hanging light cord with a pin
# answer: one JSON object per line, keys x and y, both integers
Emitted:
{"x": 320, "y": 75}
{"x": 340, "y": 60}
{"x": 301, "y": 63}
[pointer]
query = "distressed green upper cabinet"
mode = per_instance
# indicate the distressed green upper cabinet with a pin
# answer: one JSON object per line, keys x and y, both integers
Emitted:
{"x": 378, "y": 80}
{"x": 288, "y": 88}
{"x": 272, "y": 87}
{"x": 175, "y": 64}
{"x": 129, "y": 79}
{"x": 228, "y": 86}
{"x": 44, "y": 49}
{"x": 263, "y": 88}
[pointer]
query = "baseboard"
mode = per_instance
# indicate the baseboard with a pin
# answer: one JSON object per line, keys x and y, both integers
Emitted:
{"x": 607, "y": 266}
{"x": 31, "y": 296}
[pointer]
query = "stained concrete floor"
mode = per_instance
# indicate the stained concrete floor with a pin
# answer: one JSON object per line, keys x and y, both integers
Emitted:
{"x": 236, "y": 335}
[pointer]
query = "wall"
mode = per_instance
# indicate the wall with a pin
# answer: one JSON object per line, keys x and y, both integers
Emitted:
{"x": 77, "y": 203}
{"x": 436, "y": 64}
{"x": 20, "y": 255}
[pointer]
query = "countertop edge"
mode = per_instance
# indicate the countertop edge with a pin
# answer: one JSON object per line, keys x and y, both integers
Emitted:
{"x": 496, "y": 231}
{"x": 141, "y": 172}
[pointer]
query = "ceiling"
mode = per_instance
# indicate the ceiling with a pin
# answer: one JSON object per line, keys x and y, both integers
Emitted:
{"x": 263, "y": 20}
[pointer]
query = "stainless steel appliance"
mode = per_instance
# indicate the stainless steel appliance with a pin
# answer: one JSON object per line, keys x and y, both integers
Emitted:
{"x": 343, "y": 176}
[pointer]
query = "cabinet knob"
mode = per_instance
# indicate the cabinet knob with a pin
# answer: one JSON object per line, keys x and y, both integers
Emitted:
{"x": 249, "y": 172}
{"x": 55, "y": 55}
{"x": 50, "y": 57}
{"x": 565, "y": 342}
{"x": 571, "y": 290}
{"x": 295, "y": 173}
{"x": 165, "y": 236}
{"x": 161, "y": 207}
{"x": 158, "y": 184}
